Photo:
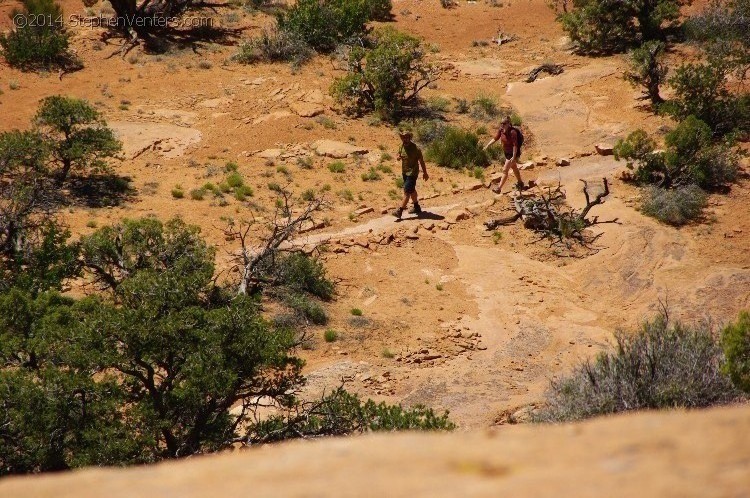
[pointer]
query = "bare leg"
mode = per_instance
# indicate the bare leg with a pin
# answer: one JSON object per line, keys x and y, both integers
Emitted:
{"x": 405, "y": 201}
{"x": 415, "y": 198}
{"x": 504, "y": 179}
{"x": 516, "y": 171}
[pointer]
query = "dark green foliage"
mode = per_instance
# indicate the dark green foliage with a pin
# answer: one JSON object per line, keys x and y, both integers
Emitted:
{"x": 301, "y": 273}
{"x": 647, "y": 69}
{"x": 77, "y": 133}
{"x": 606, "y": 26}
{"x": 427, "y": 131}
{"x": 691, "y": 157}
{"x": 342, "y": 413}
{"x": 34, "y": 44}
{"x": 660, "y": 366}
{"x": 701, "y": 90}
{"x": 457, "y": 149}
{"x": 735, "y": 339}
{"x": 147, "y": 371}
{"x": 384, "y": 77}
{"x": 673, "y": 206}
{"x": 324, "y": 24}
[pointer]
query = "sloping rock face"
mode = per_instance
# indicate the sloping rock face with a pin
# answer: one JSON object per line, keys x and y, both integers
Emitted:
{"x": 336, "y": 150}
{"x": 165, "y": 139}
{"x": 699, "y": 453}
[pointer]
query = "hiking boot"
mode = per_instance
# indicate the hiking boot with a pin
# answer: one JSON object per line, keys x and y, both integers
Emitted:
{"x": 416, "y": 210}
{"x": 520, "y": 186}
{"x": 398, "y": 212}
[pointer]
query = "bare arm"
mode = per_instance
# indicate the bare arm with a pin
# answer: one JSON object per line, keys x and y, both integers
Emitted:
{"x": 424, "y": 167}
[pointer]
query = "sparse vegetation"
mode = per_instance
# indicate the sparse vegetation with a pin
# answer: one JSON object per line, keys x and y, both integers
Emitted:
{"x": 356, "y": 312}
{"x": 177, "y": 192}
{"x": 371, "y": 175}
{"x": 330, "y": 335}
{"x": 673, "y": 206}
{"x": 647, "y": 70}
{"x": 663, "y": 365}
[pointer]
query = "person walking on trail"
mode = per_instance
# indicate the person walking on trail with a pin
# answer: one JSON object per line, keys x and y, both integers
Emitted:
{"x": 511, "y": 139}
{"x": 411, "y": 161}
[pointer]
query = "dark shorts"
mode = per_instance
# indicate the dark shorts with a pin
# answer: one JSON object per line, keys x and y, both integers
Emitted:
{"x": 410, "y": 184}
{"x": 509, "y": 155}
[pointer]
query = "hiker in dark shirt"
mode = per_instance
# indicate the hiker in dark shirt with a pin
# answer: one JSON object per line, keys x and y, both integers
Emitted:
{"x": 511, "y": 141}
{"x": 411, "y": 160}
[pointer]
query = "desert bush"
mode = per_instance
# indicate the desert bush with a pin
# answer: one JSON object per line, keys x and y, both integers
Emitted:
{"x": 662, "y": 365}
{"x": 275, "y": 46}
{"x": 78, "y": 134}
{"x": 691, "y": 157}
{"x": 337, "y": 167}
{"x": 306, "y": 308}
{"x": 303, "y": 274}
{"x": 341, "y": 413}
{"x": 701, "y": 90}
{"x": 427, "y": 131}
{"x": 324, "y": 24}
{"x": 34, "y": 45}
{"x": 723, "y": 29}
{"x": 484, "y": 108}
{"x": 606, "y": 26}
{"x": 673, "y": 206}
{"x": 330, "y": 335}
{"x": 370, "y": 175}
{"x": 735, "y": 339}
{"x": 385, "y": 77}
{"x": 457, "y": 149}
{"x": 647, "y": 69}
{"x": 380, "y": 10}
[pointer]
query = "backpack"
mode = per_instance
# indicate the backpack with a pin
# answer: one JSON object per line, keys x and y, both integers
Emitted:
{"x": 520, "y": 138}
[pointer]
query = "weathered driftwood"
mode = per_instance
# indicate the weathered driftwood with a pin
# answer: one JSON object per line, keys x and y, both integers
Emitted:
{"x": 546, "y": 212}
{"x": 553, "y": 69}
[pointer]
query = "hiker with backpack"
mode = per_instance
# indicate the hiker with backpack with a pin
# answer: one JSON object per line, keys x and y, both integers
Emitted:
{"x": 512, "y": 140}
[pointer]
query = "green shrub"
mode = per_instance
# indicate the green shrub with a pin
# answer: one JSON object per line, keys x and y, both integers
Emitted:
{"x": 384, "y": 76}
{"x": 231, "y": 166}
{"x": 275, "y": 46}
{"x": 356, "y": 312}
{"x": 691, "y": 156}
{"x": 427, "y": 131}
{"x": 330, "y": 335}
{"x": 457, "y": 149}
{"x": 399, "y": 181}
{"x": 307, "y": 308}
{"x": 346, "y": 194}
{"x": 606, "y": 26}
{"x": 484, "y": 107}
{"x": 177, "y": 192}
{"x": 308, "y": 195}
{"x": 438, "y": 104}
{"x": 702, "y": 90}
{"x": 324, "y": 24}
{"x": 197, "y": 194}
{"x": 660, "y": 366}
{"x": 337, "y": 167}
{"x": 379, "y": 10}
{"x": 673, "y": 206}
{"x": 735, "y": 339}
{"x": 234, "y": 180}
{"x": 371, "y": 175}
{"x": 341, "y": 413}
{"x": 462, "y": 106}
{"x": 34, "y": 44}
{"x": 515, "y": 119}
{"x": 303, "y": 274}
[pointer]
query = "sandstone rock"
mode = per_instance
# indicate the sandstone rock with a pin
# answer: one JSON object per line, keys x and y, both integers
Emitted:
{"x": 475, "y": 185}
{"x": 604, "y": 149}
{"x": 306, "y": 109}
{"x": 456, "y": 215}
{"x": 363, "y": 210}
{"x": 526, "y": 165}
{"x": 270, "y": 153}
{"x": 336, "y": 150}
{"x": 563, "y": 162}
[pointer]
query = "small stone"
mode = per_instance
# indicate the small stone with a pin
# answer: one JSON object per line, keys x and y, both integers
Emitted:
{"x": 306, "y": 109}
{"x": 363, "y": 210}
{"x": 563, "y": 162}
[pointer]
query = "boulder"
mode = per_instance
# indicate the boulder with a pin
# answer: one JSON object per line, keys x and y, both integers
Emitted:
{"x": 455, "y": 215}
{"x": 306, "y": 109}
{"x": 363, "y": 210}
{"x": 563, "y": 162}
{"x": 336, "y": 150}
{"x": 604, "y": 149}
